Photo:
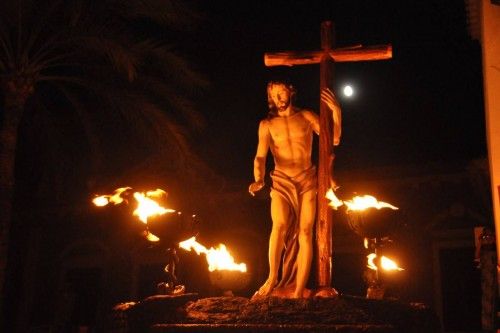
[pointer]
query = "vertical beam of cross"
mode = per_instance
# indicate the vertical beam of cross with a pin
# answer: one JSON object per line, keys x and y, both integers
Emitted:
{"x": 324, "y": 216}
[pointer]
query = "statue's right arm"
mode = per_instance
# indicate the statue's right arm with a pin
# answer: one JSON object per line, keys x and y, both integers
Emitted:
{"x": 259, "y": 163}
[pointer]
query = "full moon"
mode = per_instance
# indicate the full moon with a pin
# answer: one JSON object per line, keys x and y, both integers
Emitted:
{"x": 348, "y": 91}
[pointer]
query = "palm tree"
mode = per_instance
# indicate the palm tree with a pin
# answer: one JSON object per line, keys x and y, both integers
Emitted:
{"x": 99, "y": 57}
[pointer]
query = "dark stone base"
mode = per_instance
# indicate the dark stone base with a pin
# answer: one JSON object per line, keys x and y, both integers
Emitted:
{"x": 239, "y": 314}
{"x": 270, "y": 328}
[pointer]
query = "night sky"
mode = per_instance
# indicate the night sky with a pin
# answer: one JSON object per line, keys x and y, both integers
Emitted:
{"x": 424, "y": 105}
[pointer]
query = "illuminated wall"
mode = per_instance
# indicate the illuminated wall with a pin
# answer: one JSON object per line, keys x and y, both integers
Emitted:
{"x": 490, "y": 40}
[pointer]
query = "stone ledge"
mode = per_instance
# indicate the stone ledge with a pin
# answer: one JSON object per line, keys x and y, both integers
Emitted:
{"x": 271, "y": 314}
{"x": 270, "y": 328}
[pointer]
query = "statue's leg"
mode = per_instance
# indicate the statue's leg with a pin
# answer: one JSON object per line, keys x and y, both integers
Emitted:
{"x": 304, "y": 257}
{"x": 280, "y": 212}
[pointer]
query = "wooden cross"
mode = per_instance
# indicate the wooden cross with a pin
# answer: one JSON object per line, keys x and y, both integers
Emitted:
{"x": 325, "y": 57}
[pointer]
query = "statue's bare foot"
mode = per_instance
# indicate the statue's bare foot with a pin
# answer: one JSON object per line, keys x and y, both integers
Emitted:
{"x": 266, "y": 288}
{"x": 304, "y": 293}
{"x": 297, "y": 295}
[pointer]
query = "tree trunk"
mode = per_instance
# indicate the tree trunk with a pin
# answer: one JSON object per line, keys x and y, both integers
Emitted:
{"x": 16, "y": 91}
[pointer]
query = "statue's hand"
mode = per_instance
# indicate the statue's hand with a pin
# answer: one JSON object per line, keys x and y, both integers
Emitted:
{"x": 255, "y": 187}
{"x": 330, "y": 99}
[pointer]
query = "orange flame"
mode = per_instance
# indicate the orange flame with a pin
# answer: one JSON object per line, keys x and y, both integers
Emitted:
{"x": 367, "y": 201}
{"x": 115, "y": 198}
{"x": 150, "y": 236}
{"x": 146, "y": 206}
{"x": 334, "y": 201}
{"x": 386, "y": 263}
{"x": 217, "y": 259}
{"x": 357, "y": 203}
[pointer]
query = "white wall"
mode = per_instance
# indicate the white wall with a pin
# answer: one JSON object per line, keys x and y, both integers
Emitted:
{"x": 490, "y": 41}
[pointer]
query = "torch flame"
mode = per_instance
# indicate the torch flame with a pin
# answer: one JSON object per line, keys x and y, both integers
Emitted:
{"x": 367, "y": 201}
{"x": 386, "y": 263}
{"x": 147, "y": 207}
{"x": 334, "y": 201}
{"x": 150, "y": 236}
{"x": 100, "y": 201}
{"x": 191, "y": 243}
{"x": 115, "y": 198}
{"x": 357, "y": 203}
{"x": 218, "y": 259}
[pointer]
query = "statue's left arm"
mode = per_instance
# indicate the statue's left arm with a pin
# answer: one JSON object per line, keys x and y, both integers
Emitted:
{"x": 333, "y": 104}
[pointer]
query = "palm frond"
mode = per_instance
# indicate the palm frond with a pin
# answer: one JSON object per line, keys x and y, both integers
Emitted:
{"x": 122, "y": 58}
{"x": 178, "y": 69}
{"x": 173, "y": 143}
{"x": 158, "y": 130}
{"x": 39, "y": 18}
{"x": 171, "y": 14}
{"x": 167, "y": 95}
{"x": 55, "y": 60}
{"x": 6, "y": 47}
{"x": 55, "y": 43}
{"x": 84, "y": 83}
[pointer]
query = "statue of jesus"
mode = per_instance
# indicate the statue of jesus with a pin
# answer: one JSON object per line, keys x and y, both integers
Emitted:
{"x": 288, "y": 133}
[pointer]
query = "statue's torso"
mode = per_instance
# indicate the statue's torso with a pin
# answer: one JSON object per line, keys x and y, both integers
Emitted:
{"x": 291, "y": 143}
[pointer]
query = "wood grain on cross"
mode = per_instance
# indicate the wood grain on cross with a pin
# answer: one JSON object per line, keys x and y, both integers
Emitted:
{"x": 326, "y": 57}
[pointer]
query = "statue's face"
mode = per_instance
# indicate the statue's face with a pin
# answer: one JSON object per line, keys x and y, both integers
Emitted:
{"x": 280, "y": 95}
